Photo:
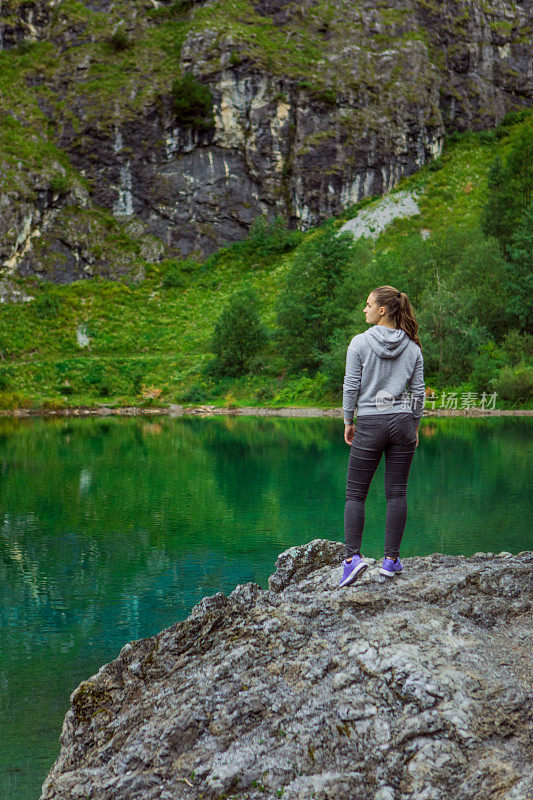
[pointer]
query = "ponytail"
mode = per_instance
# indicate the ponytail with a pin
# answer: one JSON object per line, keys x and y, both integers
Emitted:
{"x": 399, "y": 310}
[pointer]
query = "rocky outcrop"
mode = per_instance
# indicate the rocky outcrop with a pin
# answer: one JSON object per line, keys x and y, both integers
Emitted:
{"x": 416, "y": 688}
{"x": 22, "y": 21}
{"x": 316, "y": 105}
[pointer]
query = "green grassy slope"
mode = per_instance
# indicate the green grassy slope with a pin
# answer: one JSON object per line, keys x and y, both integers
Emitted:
{"x": 150, "y": 345}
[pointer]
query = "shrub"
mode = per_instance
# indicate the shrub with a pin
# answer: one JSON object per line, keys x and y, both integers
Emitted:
{"x": 45, "y": 305}
{"x": 6, "y": 375}
{"x": 514, "y": 117}
{"x": 130, "y": 374}
{"x": 181, "y": 6}
{"x": 15, "y": 400}
{"x": 454, "y": 136}
{"x": 101, "y": 378}
{"x": 24, "y": 47}
{"x": 268, "y": 237}
{"x": 238, "y": 335}
{"x": 435, "y": 164}
{"x": 515, "y": 383}
{"x": 202, "y": 391}
{"x": 193, "y": 103}
{"x": 6, "y": 344}
{"x": 105, "y": 377}
{"x": 137, "y": 377}
{"x": 304, "y": 389}
{"x": 120, "y": 41}
{"x": 194, "y": 394}
{"x": 59, "y": 184}
{"x": 516, "y": 347}
{"x": 486, "y": 367}
{"x": 177, "y": 273}
{"x": 492, "y": 136}
{"x": 230, "y": 400}
{"x": 66, "y": 388}
{"x": 264, "y": 394}
{"x": 173, "y": 278}
{"x": 67, "y": 371}
{"x": 328, "y": 96}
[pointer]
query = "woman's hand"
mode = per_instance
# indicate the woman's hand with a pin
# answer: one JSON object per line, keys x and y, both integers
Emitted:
{"x": 349, "y": 431}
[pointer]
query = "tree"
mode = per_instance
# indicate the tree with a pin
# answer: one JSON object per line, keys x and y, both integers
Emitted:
{"x": 510, "y": 189}
{"x": 520, "y": 271}
{"x": 451, "y": 336}
{"x": 238, "y": 335}
{"x": 480, "y": 278}
{"x": 193, "y": 103}
{"x": 320, "y": 294}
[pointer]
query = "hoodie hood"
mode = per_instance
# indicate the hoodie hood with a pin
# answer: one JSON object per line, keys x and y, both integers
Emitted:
{"x": 387, "y": 342}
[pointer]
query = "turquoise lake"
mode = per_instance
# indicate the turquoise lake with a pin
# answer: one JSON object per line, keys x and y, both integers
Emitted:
{"x": 111, "y": 529}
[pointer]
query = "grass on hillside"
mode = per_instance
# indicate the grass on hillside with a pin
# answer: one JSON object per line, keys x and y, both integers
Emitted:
{"x": 150, "y": 345}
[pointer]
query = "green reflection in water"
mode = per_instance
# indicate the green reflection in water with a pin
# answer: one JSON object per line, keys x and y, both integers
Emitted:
{"x": 112, "y": 529}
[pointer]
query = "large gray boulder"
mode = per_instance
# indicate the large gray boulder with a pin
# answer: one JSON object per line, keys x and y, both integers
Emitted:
{"x": 415, "y": 688}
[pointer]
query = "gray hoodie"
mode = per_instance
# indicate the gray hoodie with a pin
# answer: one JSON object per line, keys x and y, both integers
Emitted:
{"x": 384, "y": 374}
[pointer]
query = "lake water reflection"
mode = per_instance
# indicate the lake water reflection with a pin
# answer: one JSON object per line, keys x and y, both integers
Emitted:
{"x": 112, "y": 529}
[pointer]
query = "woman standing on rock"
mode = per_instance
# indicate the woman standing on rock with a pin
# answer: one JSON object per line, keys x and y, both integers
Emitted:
{"x": 380, "y": 364}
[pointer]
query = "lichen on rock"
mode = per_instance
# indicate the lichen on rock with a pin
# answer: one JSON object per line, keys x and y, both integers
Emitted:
{"x": 415, "y": 687}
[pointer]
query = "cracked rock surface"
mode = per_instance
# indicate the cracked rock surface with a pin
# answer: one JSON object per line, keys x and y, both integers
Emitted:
{"x": 389, "y": 689}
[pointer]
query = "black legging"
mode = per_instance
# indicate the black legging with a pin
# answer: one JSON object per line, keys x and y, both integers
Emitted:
{"x": 395, "y": 434}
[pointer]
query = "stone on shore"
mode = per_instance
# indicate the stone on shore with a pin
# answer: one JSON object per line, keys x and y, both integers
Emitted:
{"x": 411, "y": 688}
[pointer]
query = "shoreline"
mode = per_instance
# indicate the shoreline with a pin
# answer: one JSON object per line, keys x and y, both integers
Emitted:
{"x": 253, "y": 411}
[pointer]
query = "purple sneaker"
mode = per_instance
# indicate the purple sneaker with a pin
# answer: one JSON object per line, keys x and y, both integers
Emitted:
{"x": 391, "y": 567}
{"x": 350, "y": 571}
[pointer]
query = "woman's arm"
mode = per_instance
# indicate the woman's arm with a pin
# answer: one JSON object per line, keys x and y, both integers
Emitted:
{"x": 417, "y": 388}
{"x": 351, "y": 384}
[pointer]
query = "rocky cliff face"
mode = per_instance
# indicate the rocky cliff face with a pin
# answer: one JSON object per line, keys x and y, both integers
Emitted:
{"x": 316, "y": 105}
{"x": 415, "y": 687}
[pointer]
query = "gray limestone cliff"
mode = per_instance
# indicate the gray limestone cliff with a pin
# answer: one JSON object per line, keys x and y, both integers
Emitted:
{"x": 412, "y": 688}
{"x": 315, "y": 106}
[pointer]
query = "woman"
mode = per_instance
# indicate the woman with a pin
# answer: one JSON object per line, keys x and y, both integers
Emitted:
{"x": 380, "y": 364}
